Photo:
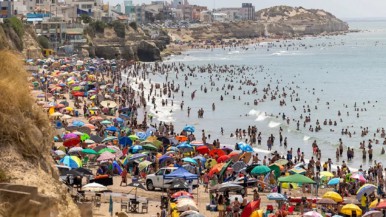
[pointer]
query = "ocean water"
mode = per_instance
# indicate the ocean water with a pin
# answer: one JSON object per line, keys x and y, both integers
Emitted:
{"x": 339, "y": 70}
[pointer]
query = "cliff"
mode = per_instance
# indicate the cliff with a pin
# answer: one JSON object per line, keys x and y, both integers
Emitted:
{"x": 134, "y": 44}
{"x": 21, "y": 38}
{"x": 279, "y": 21}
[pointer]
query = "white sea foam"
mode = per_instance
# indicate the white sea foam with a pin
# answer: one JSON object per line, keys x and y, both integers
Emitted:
{"x": 306, "y": 138}
{"x": 253, "y": 112}
{"x": 273, "y": 124}
{"x": 261, "y": 117}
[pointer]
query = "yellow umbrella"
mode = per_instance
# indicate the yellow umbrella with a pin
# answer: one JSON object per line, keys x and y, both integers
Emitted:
{"x": 333, "y": 195}
{"x": 374, "y": 203}
{"x": 350, "y": 208}
{"x": 257, "y": 213}
{"x": 326, "y": 174}
{"x": 287, "y": 185}
{"x": 93, "y": 97}
{"x": 69, "y": 108}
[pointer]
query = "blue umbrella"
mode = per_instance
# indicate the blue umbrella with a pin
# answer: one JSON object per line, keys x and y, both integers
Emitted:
{"x": 184, "y": 146}
{"x": 163, "y": 158}
{"x": 189, "y": 128}
{"x": 200, "y": 158}
{"x": 189, "y": 160}
{"x": 245, "y": 147}
{"x": 78, "y": 123}
{"x": 69, "y": 161}
{"x": 112, "y": 128}
{"x": 136, "y": 148}
{"x": 333, "y": 181}
{"x": 119, "y": 120}
{"x": 124, "y": 141}
{"x": 276, "y": 196}
{"x": 141, "y": 135}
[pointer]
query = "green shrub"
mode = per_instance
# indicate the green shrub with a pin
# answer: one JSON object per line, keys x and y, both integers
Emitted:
{"x": 86, "y": 18}
{"x": 99, "y": 26}
{"x": 133, "y": 25}
{"x": 119, "y": 29}
{"x": 3, "y": 176}
{"x": 43, "y": 42}
{"x": 16, "y": 25}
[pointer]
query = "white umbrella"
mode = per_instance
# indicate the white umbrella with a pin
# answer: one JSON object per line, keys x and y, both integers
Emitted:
{"x": 109, "y": 104}
{"x": 89, "y": 141}
{"x": 75, "y": 150}
{"x": 106, "y": 156}
{"x": 312, "y": 214}
{"x": 56, "y": 114}
{"x": 94, "y": 187}
{"x": 186, "y": 204}
{"x": 66, "y": 117}
{"x": 60, "y": 152}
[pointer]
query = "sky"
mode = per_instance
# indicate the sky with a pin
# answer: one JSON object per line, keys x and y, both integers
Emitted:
{"x": 340, "y": 8}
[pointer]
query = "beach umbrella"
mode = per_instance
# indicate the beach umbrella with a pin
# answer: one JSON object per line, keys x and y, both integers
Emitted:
{"x": 184, "y": 147}
{"x": 56, "y": 114}
{"x": 227, "y": 186}
{"x": 210, "y": 163}
{"x": 84, "y": 137}
{"x": 349, "y": 209}
{"x": 181, "y": 138}
{"x": 83, "y": 171}
{"x": 297, "y": 171}
{"x": 276, "y": 168}
{"x": 381, "y": 205}
{"x": 144, "y": 164}
{"x": 90, "y": 126}
{"x": 289, "y": 185}
{"x": 112, "y": 129}
{"x": 136, "y": 148}
{"x": 108, "y": 104}
{"x": 71, "y": 161}
{"x": 66, "y": 117}
{"x": 125, "y": 141}
{"x": 365, "y": 189}
{"x": 60, "y": 152}
{"x": 191, "y": 213}
{"x": 75, "y": 149}
{"x": 196, "y": 143}
{"x": 149, "y": 147}
{"x": 89, "y": 141}
{"x": 216, "y": 169}
{"x": 89, "y": 151}
{"x": 260, "y": 170}
{"x": 327, "y": 201}
{"x": 106, "y": 122}
{"x": 70, "y": 136}
{"x": 276, "y": 196}
{"x": 373, "y": 213}
{"x": 359, "y": 176}
{"x": 133, "y": 137}
{"x": 281, "y": 162}
{"x": 118, "y": 120}
{"x": 95, "y": 187}
{"x": 333, "y": 195}
{"x": 106, "y": 156}
{"x": 178, "y": 184}
{"x": 296, "y": 178}
{"x": 189, "y": 160}
{"x": 71, "y": 142}
{"x": 99, "y": 147}
{"x": 326, "y": 174}
{"x": 172, "y": 148}
{"x": 189, "y": 128}
{"x": 202, "y": 149}
{"x": 137, "y": 185}
{"x": 217, "y": 152}
{"x": 186, "y": 204}
{"x": 77, "y": 123}
{"x": 109, "y": 138}
{"x": 257, "y": 213}
{"x": 96, "y": 139}
{"x": 200, "y": 158}
{"x": 250, "y": 208}
{"x": 245, "y": 147}
{"x": 223, "y": 159}
{"x": 181, "y": 193}
{"x": 374, "y": 204}
{"x": 106, "y": 150}
{"x": 334, "y": 181}
{"x": 312, "y": 214}
{"x": 238, "y": 166}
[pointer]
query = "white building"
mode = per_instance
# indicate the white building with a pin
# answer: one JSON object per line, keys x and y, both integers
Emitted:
{"x": 220, "y": 17}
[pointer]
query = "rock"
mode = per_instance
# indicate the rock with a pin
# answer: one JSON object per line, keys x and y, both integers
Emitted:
{"x": 148, "y": 51}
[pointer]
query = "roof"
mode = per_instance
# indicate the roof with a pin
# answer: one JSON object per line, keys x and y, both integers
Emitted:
{"x": 34, "y": 19}
{"x": 122, "y": 17}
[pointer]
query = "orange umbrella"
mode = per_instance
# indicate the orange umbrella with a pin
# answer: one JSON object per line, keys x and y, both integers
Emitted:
{"x": 182, "y": 138}
{"x": 216, "y": 169}
{"x": 217, "y": 152}
{"x": 223, "y": 159}
{"x": 90, "y": 126}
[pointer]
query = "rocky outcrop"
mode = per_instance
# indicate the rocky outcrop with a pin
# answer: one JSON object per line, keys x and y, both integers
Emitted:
{"x": 137, "y": 45}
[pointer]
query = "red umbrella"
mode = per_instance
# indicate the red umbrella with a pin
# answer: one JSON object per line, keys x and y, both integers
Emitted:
{"x": 203, "y": 149}
{"x": 125, "y": 150}
{"x": 251, "y": 206}
{"x": 223, "y": 159}
{"x": 217, "y": 152}
{"x": 71, "y": 142}
{"x": 181, "y": 193}
{"x": 77, "y": 93}
{"x": 381, "y": 205}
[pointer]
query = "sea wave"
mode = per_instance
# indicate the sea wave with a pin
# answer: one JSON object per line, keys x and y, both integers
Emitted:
{"x": 273, "y": 124}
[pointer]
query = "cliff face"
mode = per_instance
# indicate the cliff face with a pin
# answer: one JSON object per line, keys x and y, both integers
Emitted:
{"x": 279, "y": 21}
{"x": 136, "y": 45}
{"x": 25, "y": 44}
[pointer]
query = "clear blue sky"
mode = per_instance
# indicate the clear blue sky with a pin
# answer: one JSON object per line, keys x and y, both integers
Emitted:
{"x": 340, "y": 8}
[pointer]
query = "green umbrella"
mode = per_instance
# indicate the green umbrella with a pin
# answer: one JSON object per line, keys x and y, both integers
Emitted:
{"x": 260, "y": 170}
{"x": 276, "y": 169}
{"x": 89, "y": 151}
{"x": 77, "y": 88}
{"x": 150, "y": 147}
{"x": 224, "y": 168}
{"x": 133, "y": 137}
{"x": 157, "y": 143}
{"x": 297, "y": 178}
{"x": 84, "y": 137}
{"x": 105, "y": 122}
{"x": 109, "y": 138}
{"x": 106, "y": 149}
{"x": 143, "y": 165}
{"x": 281, "y": 162}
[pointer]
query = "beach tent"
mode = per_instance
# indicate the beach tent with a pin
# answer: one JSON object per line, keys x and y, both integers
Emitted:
{"x": 181, "y": 173}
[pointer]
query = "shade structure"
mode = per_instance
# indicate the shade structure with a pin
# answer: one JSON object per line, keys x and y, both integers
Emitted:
{"x": 215, "y": 169}
{"x": 257, "y": 213}
{"x": 108, "y": 104}
{"x": 75, "y": 150}
{"x": 365, "y": 189}
{"x": 276, "y": 196}
{"x": 178, "y": 184}
{"x": 112, "y": 129}
{"x": 60, "y": 152}
{"x": 136, "y": 148}
{"x": 350, "y": 209}
{"x": 71, "y": 161}
{"x": 312, "y": 214}
{"x": 297, "y": 178}
{"x": 238, "y": 166}
{"x": 250, "y": 207}
{"x": 333, "y": 195}
{"x": 297, "y": 170}
{"x": 260, "y": 170}
{"x": 95, "y": 187}
{"x": 181, "y": 173}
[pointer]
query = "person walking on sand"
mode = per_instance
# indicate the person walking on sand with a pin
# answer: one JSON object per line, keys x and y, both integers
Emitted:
{"x": 124, "y": 177}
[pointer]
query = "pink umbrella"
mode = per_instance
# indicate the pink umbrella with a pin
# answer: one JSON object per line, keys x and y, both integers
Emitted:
{"x": 70, "y": 136}
{"x": 106, "y": 156}
{"x": 312, "y": 214}
{"x": 358, "y": 176}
